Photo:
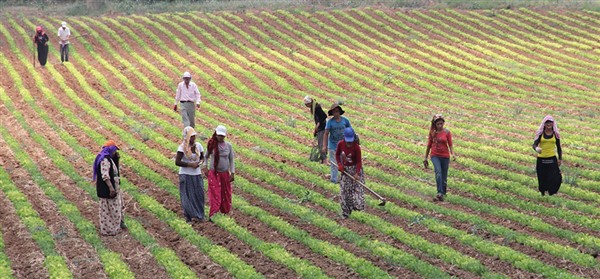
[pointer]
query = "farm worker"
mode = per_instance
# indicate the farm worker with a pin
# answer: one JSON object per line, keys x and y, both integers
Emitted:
{"x": 188, "y": 97}
{"x": 64, "y": 33}
{"x": 349, "y": 163}
{"x": 41, "y": 40}
{"x": 334, "y": 132}
{"x": 190, "y": 157}
{"x": 439, "y": 143}
{"x": 320, "y": 119}
{"x": 220, "y": 171}
{"x": 547, "y": 145}
{"x": 106, "y": 175}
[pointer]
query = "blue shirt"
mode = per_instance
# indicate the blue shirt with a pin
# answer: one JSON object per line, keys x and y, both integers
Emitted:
{"x": 336, "y": 131}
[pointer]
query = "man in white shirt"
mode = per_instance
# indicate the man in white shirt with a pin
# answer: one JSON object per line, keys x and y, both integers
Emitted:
{"x": 64, "y": 33}
{"x": 188, "y": 98}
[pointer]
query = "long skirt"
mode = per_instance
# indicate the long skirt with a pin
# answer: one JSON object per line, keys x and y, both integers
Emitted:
{"x": 111, "y": 214}
{"x": 352, "y": 194}
{"x": 219, "y": 192}
{"x": 42, "y": 52}
{"x": 549, "y": 176}
{"x": 191, "y": 193}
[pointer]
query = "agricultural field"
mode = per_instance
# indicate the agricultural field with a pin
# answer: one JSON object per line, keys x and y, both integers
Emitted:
{"x": 494, "y": 74}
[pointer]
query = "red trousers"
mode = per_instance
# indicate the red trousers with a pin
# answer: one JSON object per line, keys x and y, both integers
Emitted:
{"x": 219, "y": 192}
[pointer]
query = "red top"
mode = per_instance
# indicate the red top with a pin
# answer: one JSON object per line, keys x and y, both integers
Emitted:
{"x": 439, "y": 144}
{"x": 352, "y": 155}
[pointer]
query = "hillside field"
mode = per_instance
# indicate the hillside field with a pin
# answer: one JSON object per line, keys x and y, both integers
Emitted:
{"x": 493, "y": 74}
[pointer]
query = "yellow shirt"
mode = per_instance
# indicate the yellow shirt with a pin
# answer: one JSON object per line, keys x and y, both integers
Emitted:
{"x": 548, "y": 147}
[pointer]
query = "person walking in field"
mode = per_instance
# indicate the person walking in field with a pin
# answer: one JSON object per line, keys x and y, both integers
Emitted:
{"x": 188, "y": 98}
{"x": 440, "y": 144}
{"x": 220, "y": 171}
{"x": 334, "y": 132}
{"x": 40, "y": 39}
{"x": 64, "y": 33}
{"x": 190, "y": 157}
{"x": 320, "y": 119}
{"x": 547, "y": 146}
{"x": 106, "y": 175}
{"x": 349, "y": 163}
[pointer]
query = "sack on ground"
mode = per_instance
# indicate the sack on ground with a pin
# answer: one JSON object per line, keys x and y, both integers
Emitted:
{"x": 315, "y": 154}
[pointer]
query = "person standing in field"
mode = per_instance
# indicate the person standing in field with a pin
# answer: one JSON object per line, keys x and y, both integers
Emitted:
{"x": 547, "y": 145}
{"x": 64, "y": 33}
{"x": 349, "y": 162}
{"x": 220, "y": 171}
{"x": 106, "y": 175}
{"x": 334, "y": 132}
{"x": 440, "y": 144}
{"x": 40, "y": 39}
{"x": 320, "y": 119}
{"x": 190, "y": 157}
{"x": 188, "y": 98}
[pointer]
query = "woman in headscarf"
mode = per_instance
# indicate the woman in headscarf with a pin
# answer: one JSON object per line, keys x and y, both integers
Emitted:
{"x": 220, "y": 171}
{"x": 547, "y": 145}
{"x": 106, "y": 175}
{"x": 320, "y": 119}
{"x": 349, "y": 162}
{"x": 440, "y": 145}
{"x": 41, "y": 40}
{"x": 190, "y": 156}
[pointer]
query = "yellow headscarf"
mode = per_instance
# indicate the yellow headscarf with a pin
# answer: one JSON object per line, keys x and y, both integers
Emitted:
{"x": 188, "y": 132}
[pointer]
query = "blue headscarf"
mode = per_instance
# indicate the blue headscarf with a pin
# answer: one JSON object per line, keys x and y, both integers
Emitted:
{"x": 105, "y": 153}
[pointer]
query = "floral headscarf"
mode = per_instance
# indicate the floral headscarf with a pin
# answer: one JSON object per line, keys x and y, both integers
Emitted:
{"x": 541, "y": 128}
{"x": 188, "y": 132}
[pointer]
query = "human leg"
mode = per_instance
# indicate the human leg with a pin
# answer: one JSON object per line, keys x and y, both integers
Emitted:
{"x": 444, "y": 164}
{"x": 214, "y": 193}
{"x": 224, "y": 178}
{"x": 437, "y": 168}
{"x": 333, "y": 167}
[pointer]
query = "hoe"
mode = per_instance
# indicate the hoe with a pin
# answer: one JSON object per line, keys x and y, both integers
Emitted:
{"x": 382, "y": 199}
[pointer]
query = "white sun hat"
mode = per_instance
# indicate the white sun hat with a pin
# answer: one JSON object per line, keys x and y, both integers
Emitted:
{"x": 221, "y": 131}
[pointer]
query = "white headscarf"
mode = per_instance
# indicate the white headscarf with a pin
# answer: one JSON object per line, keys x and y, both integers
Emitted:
{"x": 307, "y": 100}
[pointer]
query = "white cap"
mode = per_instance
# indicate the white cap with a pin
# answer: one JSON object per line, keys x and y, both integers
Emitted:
{"x": 187, "y": 75}
{"x": 307, "y": 100}
{"x": 221, "y": 130}
{"x": 64, "y": 24}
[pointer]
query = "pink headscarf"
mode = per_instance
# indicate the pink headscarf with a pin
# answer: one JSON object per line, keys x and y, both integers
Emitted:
{"x": 541, "y": 128}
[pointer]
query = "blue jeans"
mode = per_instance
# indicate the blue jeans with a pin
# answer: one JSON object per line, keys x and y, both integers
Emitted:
{"x": 333, "y": 167}
{"x": 440, "y": 167}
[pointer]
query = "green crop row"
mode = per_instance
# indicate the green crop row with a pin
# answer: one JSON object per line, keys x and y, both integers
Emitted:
{"x": 5, "y": 270}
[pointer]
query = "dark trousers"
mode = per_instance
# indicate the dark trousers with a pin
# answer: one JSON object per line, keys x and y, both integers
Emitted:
{"x": 64, "y": 52}
{"x": 549, "y": 176}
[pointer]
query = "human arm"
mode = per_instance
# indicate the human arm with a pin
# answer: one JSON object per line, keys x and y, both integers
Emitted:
{"x": 177, "y": 96}
{"x": 450, "y": 148}
{"x": 559, "y": 151}
{"x": 358, "y": 160}
{"x": 231, "y": 163}
{"x": 325, "y": 140}
{"x": 338, "y": 159}
{"x": 180, "y": 163}
{"x": 425, "y": 160}
{"x": 535, "y": 146}
{"x": 105, "y": 174}
{"x": 198, "y": 96}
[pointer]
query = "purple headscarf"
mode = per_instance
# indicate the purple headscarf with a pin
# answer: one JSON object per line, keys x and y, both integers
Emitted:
{"x": 106, "y": 152}
{"x": 541, "y": 128}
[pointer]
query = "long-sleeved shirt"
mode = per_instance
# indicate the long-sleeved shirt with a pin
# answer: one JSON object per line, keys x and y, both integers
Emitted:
{"x": 548, "y": 144}
{"x": 440, "y": 143}
{"x": 226, "y": 156}
{"x": 63, "y": 35}
{"x": 188, "y": 93}
{"x": 348, "y": 156}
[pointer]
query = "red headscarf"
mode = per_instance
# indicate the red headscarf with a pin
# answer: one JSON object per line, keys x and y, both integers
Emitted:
{"x": 213, "y": 147}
